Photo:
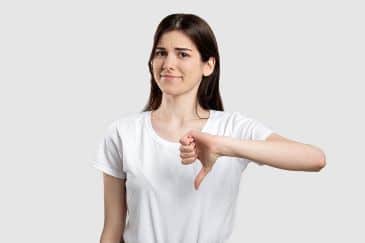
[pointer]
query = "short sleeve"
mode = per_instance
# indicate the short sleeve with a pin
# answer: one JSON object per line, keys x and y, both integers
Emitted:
{"x": 248, "y": 128}
{"x": 109, "y": 157}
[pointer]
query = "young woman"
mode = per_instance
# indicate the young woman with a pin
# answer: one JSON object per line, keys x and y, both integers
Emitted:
{"x": 176, "y": 166}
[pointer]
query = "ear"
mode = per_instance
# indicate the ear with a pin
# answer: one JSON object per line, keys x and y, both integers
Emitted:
{"x": 209, "y": 67}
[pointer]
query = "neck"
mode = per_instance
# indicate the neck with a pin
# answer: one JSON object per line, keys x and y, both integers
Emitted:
{"x": 180, "y": 109}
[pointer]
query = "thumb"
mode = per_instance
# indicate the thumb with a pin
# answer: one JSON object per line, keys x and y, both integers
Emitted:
{"x": 186, "y": 139}
{"x": 199, "y": 178}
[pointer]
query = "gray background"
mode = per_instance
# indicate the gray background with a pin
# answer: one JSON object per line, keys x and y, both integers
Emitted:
{"x": 69, "y": 68}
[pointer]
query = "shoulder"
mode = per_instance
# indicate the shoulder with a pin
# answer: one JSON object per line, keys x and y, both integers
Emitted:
{"x": 231, "y": 116}
{"x": 237, "y": 119}
{"x": 230, "y": 121}
{"x": 126, "y": 118}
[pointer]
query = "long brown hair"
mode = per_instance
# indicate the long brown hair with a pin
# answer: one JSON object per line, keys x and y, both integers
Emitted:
{"x": 203, "y": 37}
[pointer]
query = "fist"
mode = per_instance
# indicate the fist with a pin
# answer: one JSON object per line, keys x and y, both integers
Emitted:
{"x": 202, "y": 146}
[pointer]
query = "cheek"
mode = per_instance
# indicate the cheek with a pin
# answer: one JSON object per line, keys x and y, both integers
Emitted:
{"x": 192, "y": 71}
{"x": 156, "y": 69}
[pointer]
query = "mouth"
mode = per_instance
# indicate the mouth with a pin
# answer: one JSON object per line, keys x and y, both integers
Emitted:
{"x": 169, "y": 76}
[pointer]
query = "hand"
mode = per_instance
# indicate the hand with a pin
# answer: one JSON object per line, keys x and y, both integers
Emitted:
{"x": 202, "y": 146}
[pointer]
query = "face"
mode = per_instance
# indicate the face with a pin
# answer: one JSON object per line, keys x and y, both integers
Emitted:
{"x": 177, "y": 66}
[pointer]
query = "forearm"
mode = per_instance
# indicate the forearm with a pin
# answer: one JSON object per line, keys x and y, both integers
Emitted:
{"x": 108, "y": 240}
{"x": 111, "y": 235}
{"x": 279, "y": 154}
{"x": 111, "y": 241}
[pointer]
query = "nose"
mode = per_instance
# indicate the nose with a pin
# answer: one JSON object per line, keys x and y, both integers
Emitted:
{"x": 169, "y": 62}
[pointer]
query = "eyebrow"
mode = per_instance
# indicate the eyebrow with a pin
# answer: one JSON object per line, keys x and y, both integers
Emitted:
{"x": 176, "y": 48}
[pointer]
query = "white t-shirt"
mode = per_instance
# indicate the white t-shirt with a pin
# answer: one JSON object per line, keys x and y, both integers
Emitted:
{"x": 163, "y": 205}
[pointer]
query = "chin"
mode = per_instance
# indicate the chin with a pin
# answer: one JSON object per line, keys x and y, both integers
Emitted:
{"x": 175, "y": 91}
{"x": 172, "y": 92}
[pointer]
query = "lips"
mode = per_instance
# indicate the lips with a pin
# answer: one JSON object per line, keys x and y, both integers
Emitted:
{"x": 170, "y": 76}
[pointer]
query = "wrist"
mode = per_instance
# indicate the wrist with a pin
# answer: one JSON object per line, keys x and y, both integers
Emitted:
{"x": 220, "y": 145}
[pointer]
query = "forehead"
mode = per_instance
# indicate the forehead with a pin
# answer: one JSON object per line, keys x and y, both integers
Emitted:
{"x": 174, "y": 39}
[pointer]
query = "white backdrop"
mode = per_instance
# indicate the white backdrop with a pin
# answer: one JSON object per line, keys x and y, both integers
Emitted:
{"x": 69, "y": 68}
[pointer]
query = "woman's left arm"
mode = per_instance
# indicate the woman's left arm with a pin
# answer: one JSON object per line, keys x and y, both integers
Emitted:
{"x": 275, "y": 151}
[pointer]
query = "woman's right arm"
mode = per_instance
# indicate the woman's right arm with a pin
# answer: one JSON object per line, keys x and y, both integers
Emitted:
{"x": 115, "y": 209}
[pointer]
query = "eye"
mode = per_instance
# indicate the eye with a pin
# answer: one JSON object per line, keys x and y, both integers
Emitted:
{"x": 183, "y": 54}
{"x": 160, "y": 53}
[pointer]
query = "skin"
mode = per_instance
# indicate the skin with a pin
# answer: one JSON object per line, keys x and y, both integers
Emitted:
{"x": 176, "y": 113}
{"x": 176, "y": 110}
{"x": 176, "y": 116}
{"x": 276, "y": 151}
{"x": 115, "y": 209}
